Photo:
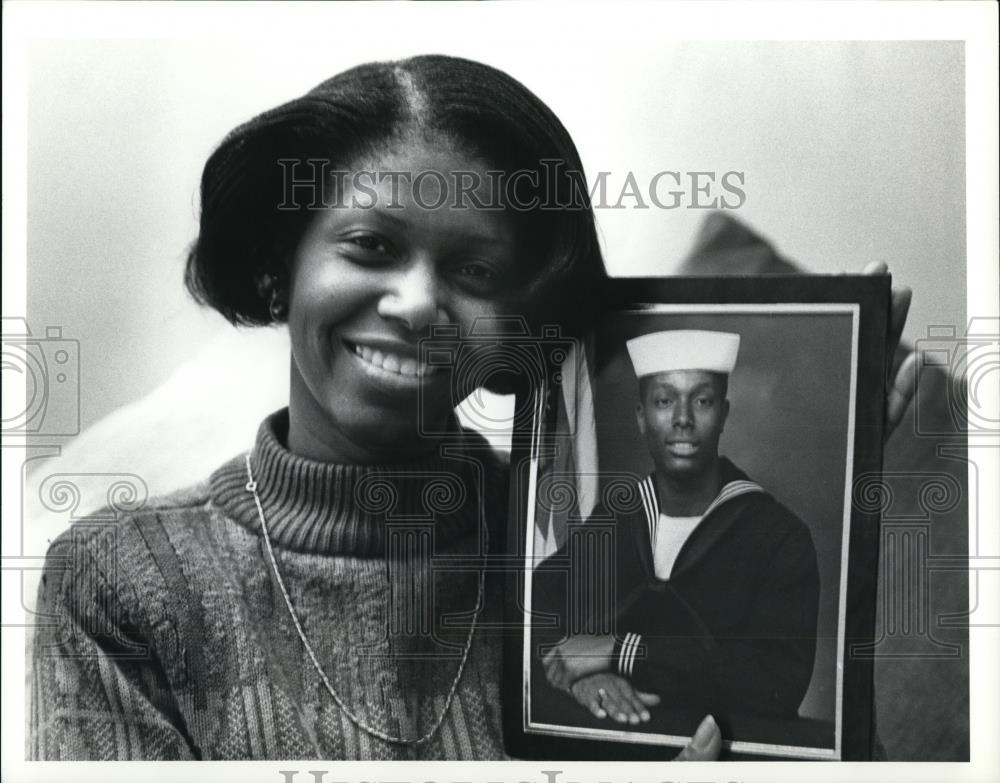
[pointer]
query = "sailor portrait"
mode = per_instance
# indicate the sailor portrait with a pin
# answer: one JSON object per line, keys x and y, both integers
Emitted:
{"x": 712, "y": 600}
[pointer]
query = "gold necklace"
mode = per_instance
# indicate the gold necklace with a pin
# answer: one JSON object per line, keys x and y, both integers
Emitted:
{"x": 251, "y": 487}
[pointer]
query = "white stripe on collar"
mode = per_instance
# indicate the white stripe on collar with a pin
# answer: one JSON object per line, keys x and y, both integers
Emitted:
{"x": 651, "y": 503}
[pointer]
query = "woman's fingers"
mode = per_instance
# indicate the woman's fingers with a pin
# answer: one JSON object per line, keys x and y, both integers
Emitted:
{"x": 901, "y": 391}
{"x": 902, "y": 386}
{"x": 899, "y": 309}
{"x": 705, "y": 745}
{"x": 900, "y": 299}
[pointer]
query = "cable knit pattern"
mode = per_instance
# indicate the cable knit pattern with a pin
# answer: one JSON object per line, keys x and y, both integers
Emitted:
{"x": 165, "y": 635}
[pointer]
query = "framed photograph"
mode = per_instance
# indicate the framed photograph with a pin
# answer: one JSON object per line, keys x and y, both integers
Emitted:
{"x": 693, "y": 502}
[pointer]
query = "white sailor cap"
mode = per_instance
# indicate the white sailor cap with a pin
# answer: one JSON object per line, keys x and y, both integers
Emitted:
{"x": 683, "y": 349}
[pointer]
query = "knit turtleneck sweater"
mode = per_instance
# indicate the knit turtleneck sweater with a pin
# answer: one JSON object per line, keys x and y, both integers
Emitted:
{"x": 165, "y": 634}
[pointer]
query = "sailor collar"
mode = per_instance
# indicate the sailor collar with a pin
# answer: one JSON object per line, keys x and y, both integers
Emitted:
{"x": 651, "y": 503}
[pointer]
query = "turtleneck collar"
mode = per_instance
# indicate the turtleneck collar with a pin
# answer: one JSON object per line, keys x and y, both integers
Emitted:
{"x": 326, "y": 508}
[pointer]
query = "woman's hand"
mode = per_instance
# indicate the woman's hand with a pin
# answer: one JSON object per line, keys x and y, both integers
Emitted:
{"x": 705, "y": 745}
{"x": 901, "y": 387}
{"x": 575, "y": 658}
{"x": 611, "y": 695}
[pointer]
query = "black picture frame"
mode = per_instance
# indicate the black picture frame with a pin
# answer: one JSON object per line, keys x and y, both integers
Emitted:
{"x": 810, "y": 317}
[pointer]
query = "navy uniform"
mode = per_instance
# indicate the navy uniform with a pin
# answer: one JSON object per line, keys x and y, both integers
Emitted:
{"x": 733, "y": 629}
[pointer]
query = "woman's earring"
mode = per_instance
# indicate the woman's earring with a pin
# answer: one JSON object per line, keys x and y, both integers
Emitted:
{"x": 269, "y": 288}
{"x": 278, "y": 307}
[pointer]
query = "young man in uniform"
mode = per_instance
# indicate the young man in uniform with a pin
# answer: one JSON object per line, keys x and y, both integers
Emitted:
{"x": 716, "y": 583}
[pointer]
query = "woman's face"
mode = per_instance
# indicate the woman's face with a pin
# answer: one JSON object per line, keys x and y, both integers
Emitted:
{"x": 369, "y": 279}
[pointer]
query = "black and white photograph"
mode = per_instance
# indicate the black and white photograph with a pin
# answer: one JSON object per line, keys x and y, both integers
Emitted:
{"x": 690, "y": 547}
{"x": 587, "y": 386}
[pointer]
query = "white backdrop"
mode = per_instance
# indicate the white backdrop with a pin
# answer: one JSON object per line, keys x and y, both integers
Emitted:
{"x": 850, "y": 151}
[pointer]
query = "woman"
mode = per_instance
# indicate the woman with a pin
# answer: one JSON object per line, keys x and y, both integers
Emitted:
{"x": 322, "y": 595}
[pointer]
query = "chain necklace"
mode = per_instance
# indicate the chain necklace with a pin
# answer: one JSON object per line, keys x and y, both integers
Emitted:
{"x": 251, "y": 487}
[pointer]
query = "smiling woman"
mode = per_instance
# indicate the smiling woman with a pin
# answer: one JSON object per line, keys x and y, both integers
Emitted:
{"x": 325, "y": 594}
{"x": 366, "y": 284}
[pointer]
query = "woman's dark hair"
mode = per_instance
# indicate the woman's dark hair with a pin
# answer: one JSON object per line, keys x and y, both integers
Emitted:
{"x": 249, "y": 229}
